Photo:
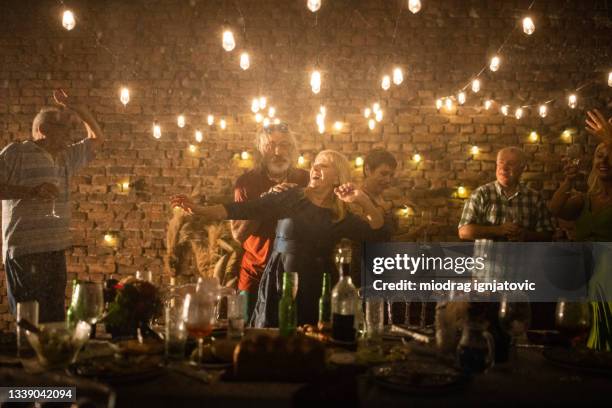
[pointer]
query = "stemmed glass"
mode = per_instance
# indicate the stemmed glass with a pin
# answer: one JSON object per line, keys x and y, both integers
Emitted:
{"x": 515, "y": 317}
{"x": 199, "y": 316}
{"x": 87, "y": 302}
{"x": 573, "y": 319}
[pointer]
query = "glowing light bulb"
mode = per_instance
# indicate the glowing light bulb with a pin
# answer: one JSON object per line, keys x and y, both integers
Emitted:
{"x": 245, "y": 62}
{"x": 258, "y": 117}
{"x": 528, "y": 26}
{"x": 476, "y": 85}
{"x": 448, "y": 103}
{"x": 322, "y": 128}
{"x": 518, "y": 113}
{"x": 505, "y": 109}
{"x": 610, "y": 78}
{"x": 199, "y": 136}
{"x": 180, "y": 121}
{"x": 359, "y": 161}
{"x": 572, "y": 101}
{"x": 461, "y": 192}
{"x": 320, "y": 120}
{"x": 301, "y": 160}
{"x": 474, "y": 150}
{"x": 263, "y": 102}
{"x": 323, "y": 111}
{"x": 156, "y": 130}
{"x": 438, "y": 104}
{"x": 461, "y": 98}
{"x": 313, "y": 5}
{"x": 245, "y": 155}
{"x": 488, "y": 103}
{"x": 398, "y": 76}
{"x": 417, "y": 158}
{"x": 379, "y": 115}
{"x": 376, "y": 107}
{"x": 222, "y": 124}
{"x": 371, "y": 124}
{"x": 124, "y": 96}
{"x": 68, "y": 20}
{"x": 315, "y": 82}
{"x": 367, "y": 112}
{"x": 108, "y": 238}
{"x": 338, "y": 125}
{"x": 210, "y": 120}
{"x": 495, "y": 62}
{"x": 255, "y": 105}
{"x": 567, "y": 135}
{"x": 385, "y": 84}
{"x": 277, "y": 121}
{"x": 228, "y": 41}
{"x": 125, "y": 186}
{"x": 192, "y": 148}
{"x": 266, "y": 122}
{"x": 271, "y": 111}
{"x": 414, "y": 6}
{"x": 543, "y": 111}
{"x": 533, "y": 136}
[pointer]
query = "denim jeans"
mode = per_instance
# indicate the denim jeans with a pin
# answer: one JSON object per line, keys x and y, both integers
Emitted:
{"x": 40, "y": 277}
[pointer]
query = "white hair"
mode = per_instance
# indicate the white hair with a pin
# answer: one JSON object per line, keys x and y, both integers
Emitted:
{"x": 40, "y": 118}
{"x": 515, "y": 150}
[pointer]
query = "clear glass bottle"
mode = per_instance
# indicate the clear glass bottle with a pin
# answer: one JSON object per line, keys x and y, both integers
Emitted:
{"x": 344, "y": 299}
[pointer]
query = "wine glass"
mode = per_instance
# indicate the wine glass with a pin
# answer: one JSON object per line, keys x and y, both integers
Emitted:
{"x": 53, "y": 214}
{"x": 87, "y": 302}
{"x": 199, "y": 317}
{"x": 514, "y": 318}
{"x": 573, "y": 319}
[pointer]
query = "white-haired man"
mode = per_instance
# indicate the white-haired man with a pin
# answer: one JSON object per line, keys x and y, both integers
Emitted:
{"x": 34, "y": 188}
{"x": 278, "y": 156}
{"x": 505, "y": 209}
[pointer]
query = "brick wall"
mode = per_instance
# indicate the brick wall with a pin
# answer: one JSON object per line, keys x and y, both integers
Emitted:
{"x": 169, "y": 54}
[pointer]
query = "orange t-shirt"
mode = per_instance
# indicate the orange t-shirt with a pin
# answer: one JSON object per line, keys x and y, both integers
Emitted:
{"x": 257, "y": 246}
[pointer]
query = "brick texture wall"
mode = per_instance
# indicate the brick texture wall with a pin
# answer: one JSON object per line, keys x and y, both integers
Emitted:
{"x": 168, "y": 52}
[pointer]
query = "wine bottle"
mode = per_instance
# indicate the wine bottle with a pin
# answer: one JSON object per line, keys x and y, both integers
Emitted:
{"x": 344, "y": 299}
{"x": 325, "y": 304}
{"x": 287, "y": 307}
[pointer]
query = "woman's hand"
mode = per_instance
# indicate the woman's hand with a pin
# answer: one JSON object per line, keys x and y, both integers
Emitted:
{"x": 183, "y": 202}
{"x": 349, "y": 193}
{"x": 598, "y": 126}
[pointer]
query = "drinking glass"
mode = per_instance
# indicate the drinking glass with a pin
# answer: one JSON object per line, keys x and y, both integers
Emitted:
{"x": 573, "y": 319}
{"x": 236, "y": 313}
{"x": 87, "y": 302}
{"x": 375, "y": 317}
{"x": 28, "y": 311}
{"x": 199, "y": 317}
{"x": 514, "y": 318}
{"x": 175, "y": 334}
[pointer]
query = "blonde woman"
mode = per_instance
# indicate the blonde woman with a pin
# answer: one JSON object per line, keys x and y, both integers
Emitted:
{"x": 310, "y": 223}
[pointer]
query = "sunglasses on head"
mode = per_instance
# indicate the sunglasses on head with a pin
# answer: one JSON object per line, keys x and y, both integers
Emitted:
{"x": 282, "y": 127}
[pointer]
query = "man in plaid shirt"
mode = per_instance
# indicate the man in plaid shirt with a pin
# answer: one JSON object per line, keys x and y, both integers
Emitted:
{"x": 505, "y": 210}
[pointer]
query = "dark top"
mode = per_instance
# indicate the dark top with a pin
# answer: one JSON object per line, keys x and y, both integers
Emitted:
{"x": 305, "y": 239}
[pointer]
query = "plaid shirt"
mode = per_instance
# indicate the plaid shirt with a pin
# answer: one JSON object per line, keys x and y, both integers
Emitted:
{"x": 489, "y": 206}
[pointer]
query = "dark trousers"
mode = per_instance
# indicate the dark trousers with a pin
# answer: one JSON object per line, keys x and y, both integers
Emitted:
{"x": 40, "y": 277}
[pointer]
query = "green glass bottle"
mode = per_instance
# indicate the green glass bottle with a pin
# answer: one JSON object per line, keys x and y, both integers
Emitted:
{"x": 287, "y": 308}
{"x": 325, "y": 304}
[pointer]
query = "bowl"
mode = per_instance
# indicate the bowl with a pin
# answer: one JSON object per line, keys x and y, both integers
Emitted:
{"x": 58, "y": 344}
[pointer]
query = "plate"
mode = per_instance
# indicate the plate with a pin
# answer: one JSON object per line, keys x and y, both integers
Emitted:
{"x": 119, "y": 371}
{"x": 419, "y": 377}
{"x": 583, "y": 359}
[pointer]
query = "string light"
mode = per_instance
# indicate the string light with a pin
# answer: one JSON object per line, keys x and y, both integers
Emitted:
{"x": 528, "y": 26}
{"x": 255, "y": 105}
{"x": 271, "y": 111}
{"x": 566, "y": 135}
{"x": 180, "y": 121}
{"x": 222, "y": 124}
{"x": 398, "y": 76}
{"x": 124, "y": 96}
{"x": 258, "y": 117}
{"x": 315, "y": 82}
{"x": 263, "y": 102}
{"x": 320, "y": 120}
{"x": 245, "y": 155}
{"x": 476, "y": 85}
{"x": 266, "y": 122}
{"x": 533, "y": 136}
{"x": 228, "y": 41}
{"x": 474, "y": 150}
{"x": 210, "y": 120}
{"x": 338, "y": 125}
{"x": 461, "y": 98}
{"x": 518, "y": 113}
{"x": 367, "y": 112}
{"x": 322, "y": 128}
{"x": 505, "y": 109}
{"x": 198, "y": 136}
{"x": 277, "y": 121}
{"x": 449, "y": 103}
{"x": 438, "y": 104}
{"x": 417, "y": 158}
{"x": 414, "y": 6}
{"x": 488, "y": 103}
{"x": 572, "y": 101}
{"x": 543, "y": 111}
{"x": 385, "y": 84}
{"x": 245, "y": 62}
{"x": 301, "y": 160}
{"x": 461, "y": 192}
{"x": 68, "y": 20}
{"x": 371, "y": 124}
{"x": 156, "y": 130}
{"x": 610, "y": 78}
{"x": 193, "y": 148}
{"x": 379, "y": 115}
{"x": 359, "y": 161}
{"x": 376, "y": 107}
{"x": 313, "y": 5}
{"x": 495, "y": 62}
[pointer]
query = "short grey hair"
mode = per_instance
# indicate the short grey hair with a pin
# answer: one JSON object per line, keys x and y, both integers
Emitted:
{"x": 516, "y": 150}
{"x": 41, "y": 117}
{"x": 263, "y": 136}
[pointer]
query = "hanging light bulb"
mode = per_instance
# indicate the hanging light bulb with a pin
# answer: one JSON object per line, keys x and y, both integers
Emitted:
{"x": 543, "y": 111}
{"x": 68, "y": 20}
{"x": 505, "y": 109}
{"x": 180, "y": 121}
{"x": 448, "y": 103}
{"x": 476, "y": 85}
{"x": 198, "y": 135}
{"x": 193, "y": 148}
{"x": 321, "y": 128}
{"x": 228, "y": 41}
{"x": 338, "y": 125}
{"x": 572, "y": 101}
{"x": 222, "y": 124}
{"x": 258, "y": 117}
{"x": 379, "y": 115}
{"x": 301, "y": 160}
{"x": 610, "y": 78}
{"x": 417, "y": 158}
{"x": 385, "y": 84}
{"x": 414, "y": 6}
{"x": 488, "y": 103}
{"x": 266, "y": 122}
{"x": 245, "y": 155}
{"x": 156, "y": 130}
{"x": 461, "y": 192}
{"x": 124, "y": 96}
{"x": 376, "y": 107}
{"x": 210, "y": 120}
{"x": 255, "y": 105}
{"x": 315, "y": 82}
{"x": 359, "y": 161}
{"x": 313, "y": 5}
{"x": 277, "y": 121}
{"x": 518, "y": 113}
{"x": 320, "y": 120}
{"x": 461, "y": 98}
{"x": 474, "y": 150}
{"x": 367, "y": 112}
{"x": 245, "y": 62}
{"x": 533, "y": 136}
{"x": 495, "y": 62}
{"x": 398, "y": 76}
{"x": 567, "y": 135}
{"x": 371, "y": 124}
{"x": 263, "y": 102}
{"x": 438, "y": 104}
{"x": 528, "y": 26}
{"x": 271, "y": 111}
